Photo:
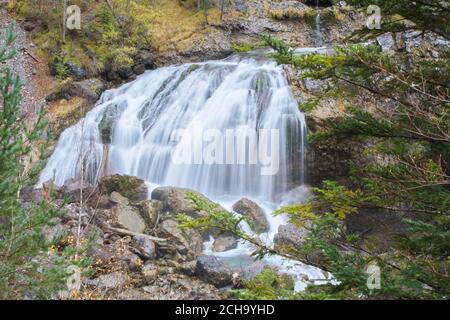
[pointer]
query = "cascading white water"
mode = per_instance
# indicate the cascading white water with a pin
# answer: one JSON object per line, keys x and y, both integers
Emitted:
{"x": 137, "y": 123}
{"x": 319, "y": 34}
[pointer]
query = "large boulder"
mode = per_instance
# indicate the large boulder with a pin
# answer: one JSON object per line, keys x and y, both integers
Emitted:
{"x": 130, "y": 187}
{"x": 185, "y": 241}
{"x": 128, "y": 217}
{"x": 212, "y": 270}
{"x": 224, "y": 242}
{"x": 77, "y": 72}
{"x": 250, "y": 209}
{"x": 290, "y": 235}
{"x": 177, "y": 200}
{"x": 125, "y": 72}
{"x": 90, "y": 89}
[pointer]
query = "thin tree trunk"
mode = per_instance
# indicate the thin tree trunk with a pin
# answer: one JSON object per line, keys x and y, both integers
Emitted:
{"x": 64, "y": 21}
{"x": 81, "y": 189}
{"x": 104, "y": 165}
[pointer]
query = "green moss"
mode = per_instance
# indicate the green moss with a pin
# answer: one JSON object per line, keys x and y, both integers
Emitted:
{"x": 62, "y": 72}
{"x": 127, "y": 186}
{"x": 310, "y": 17}
{"x": 245, "y": 47}
{"x": 114, "y": 37}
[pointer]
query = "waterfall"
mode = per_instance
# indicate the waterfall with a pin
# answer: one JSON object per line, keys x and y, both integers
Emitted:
{"x": 143, "y": 127}
{"x": 136, "y": 123}
{"x": 318, "y": 30}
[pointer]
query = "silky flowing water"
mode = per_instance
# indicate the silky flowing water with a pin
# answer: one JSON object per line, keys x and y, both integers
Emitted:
{"x": 167, "y": 111}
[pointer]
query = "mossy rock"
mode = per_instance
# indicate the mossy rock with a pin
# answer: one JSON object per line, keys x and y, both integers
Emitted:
{"x": 130, "y": 187}
{"x": 106, "y": 125}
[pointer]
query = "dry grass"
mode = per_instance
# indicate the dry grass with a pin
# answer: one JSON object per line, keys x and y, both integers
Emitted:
{"x": 291, "y": 13}
{"x": 178, "y": 27}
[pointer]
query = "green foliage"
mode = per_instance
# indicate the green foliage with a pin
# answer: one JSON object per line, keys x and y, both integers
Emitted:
{"x": 120, "y": 41}
{"x": 28, "y": 268}
{"x": 331, "y": 198}
{"x": 408, "y": 128}
{"x": 244, "y": 47}
{"x": 404, "y": 15}
{"x": 205, "y": 5}
{"x": 283, "y": 51}
{"x": 267, "y": 286}
{"x": 62, "y": 72}
{"x": 216, "y": 217}
{"x": 113, "y": 33}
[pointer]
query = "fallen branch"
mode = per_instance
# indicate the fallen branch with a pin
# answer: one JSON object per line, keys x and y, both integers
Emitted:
{"x": 31, "y": 55}
{"x": 131, "y": 233}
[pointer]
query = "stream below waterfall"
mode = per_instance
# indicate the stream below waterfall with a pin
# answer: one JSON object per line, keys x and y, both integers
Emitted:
{"x": 167, "y": 111}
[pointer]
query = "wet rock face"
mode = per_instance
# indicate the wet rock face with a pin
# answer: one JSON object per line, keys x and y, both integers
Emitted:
{"x": 130, "y": 187}
{"x": 330, "y": 161}
{"x": 109, "y": 119}
{"x": 212, "y": 270}
{"x": 253, "y": 211}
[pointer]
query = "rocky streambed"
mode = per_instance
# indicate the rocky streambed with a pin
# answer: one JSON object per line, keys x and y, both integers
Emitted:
{"x": 139, "y": 252}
